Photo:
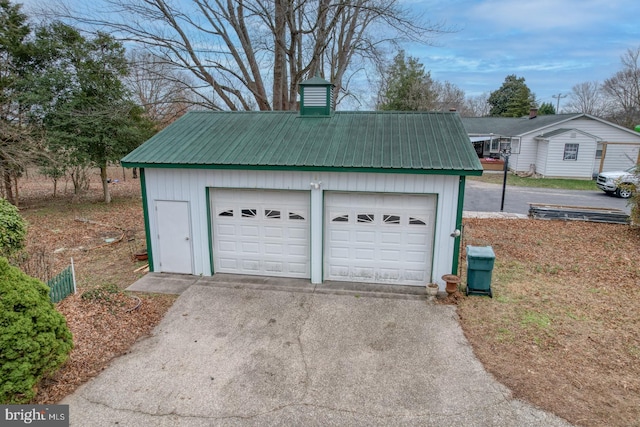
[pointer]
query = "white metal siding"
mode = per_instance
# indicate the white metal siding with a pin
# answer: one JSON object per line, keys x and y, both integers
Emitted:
{"x": 582, "y": 167}
{"x": 603, "y": 131}
{"x": 192, "y": 185}
{"x": 528, "y": 154}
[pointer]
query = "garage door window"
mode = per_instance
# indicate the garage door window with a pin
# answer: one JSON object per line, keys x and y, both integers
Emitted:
{"x": 272, "y": 214}
{"x": 366, "y": 218}
{"x": 391, "y": 219}
{"x": 249, "y": 213}
{"x": 416, "y": 221}
{"x": 228, "y": 212}
{"x": 295, "y": 216}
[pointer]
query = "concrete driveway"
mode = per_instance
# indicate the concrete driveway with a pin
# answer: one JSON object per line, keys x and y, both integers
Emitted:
{"x": 227, "y": 355}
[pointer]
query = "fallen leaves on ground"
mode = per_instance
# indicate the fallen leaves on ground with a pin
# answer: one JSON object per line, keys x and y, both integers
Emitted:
{"x": 563, "y": 328}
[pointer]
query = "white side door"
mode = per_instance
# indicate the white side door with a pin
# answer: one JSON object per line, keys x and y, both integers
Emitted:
{"x": 174, "y": 237}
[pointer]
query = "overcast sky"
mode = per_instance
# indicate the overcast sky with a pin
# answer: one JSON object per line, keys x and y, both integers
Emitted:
{"x": 553, "y": 44}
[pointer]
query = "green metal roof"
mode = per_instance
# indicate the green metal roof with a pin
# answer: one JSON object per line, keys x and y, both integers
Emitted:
{"x": 408, "y": 142}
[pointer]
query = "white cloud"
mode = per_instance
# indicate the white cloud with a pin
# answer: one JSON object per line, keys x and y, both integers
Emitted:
{"x": 544, "y": 15}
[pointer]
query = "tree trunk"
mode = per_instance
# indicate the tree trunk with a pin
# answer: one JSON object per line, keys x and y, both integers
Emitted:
{"x": 105, "y": 184}
{"x": 17, "y": 195}
{"x": 8, "y": 188}
{"x": 135, "y": 173}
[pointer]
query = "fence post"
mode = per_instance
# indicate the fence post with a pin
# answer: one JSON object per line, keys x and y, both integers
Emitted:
{"x": 73, "y": 275}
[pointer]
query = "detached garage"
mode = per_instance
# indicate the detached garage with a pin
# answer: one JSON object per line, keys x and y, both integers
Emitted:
{"x": 348, "y": 196}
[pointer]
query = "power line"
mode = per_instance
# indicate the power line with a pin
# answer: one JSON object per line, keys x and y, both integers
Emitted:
{"x": 558, "y": 97}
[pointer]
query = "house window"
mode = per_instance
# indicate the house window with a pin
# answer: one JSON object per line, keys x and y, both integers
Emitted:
{"x": 599, "y": 151}
{"x": 571, "y": 151}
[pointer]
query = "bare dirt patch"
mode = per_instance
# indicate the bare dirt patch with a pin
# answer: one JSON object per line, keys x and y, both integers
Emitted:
{"x": 101, "y": 239}
{"x": 563, "y": 328}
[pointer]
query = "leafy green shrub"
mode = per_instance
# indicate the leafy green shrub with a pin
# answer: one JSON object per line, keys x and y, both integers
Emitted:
{"x": 13, "y": 229}
{"x": 34, "y": 337}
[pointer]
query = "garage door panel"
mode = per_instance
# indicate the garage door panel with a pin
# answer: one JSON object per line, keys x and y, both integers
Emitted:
{"x": 261, "y": 232}
{"x": 388, "y": 274}
{"x": 273, "y": 232}
{"x": 226, "y": 230}
{"x": 251, "y": 265}
{"x": 365, "y": 236}
{"x": 339, "y": 252}
{"x": 228, "y": 263}
{"x": 273, "y": 267}
{"x": 374, "y": 237}
{"x": 227, "y": 246}
{"x": 339, "y": 272}
{"x": 300, "y": 233}
{"x": 391, "y": 238}
{"x": 365, "y": 254}
{"x": 339, "y": 235}
{"x": 273, "y": 249}
{"x": 298, "y": 268}
{"x": 363, "y": 273}
{"x": 390, "y": 255}
{"x": 249, "y": 231}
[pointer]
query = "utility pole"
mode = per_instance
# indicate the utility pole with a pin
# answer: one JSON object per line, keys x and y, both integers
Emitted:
{"x": 558, "y": 97}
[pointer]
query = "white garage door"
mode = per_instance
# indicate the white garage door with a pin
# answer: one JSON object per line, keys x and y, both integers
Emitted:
{"x": 379, "y": 238}
{"x": 261, "y": 232}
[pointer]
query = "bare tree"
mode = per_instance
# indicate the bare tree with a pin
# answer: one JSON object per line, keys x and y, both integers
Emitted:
{"x": 165, "y": 93}
{"x": 251, "y": 54}
{"x": 589, "y": 98}
{"x": 476, "y": 106}
{"x": 449, "y": 96}
{"x": 623, "y": 88}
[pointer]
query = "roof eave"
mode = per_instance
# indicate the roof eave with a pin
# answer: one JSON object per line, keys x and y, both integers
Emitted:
{"x": 457, "y": 172}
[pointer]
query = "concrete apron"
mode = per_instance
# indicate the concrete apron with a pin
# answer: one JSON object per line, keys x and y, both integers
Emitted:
{"x": 245, "y": 356}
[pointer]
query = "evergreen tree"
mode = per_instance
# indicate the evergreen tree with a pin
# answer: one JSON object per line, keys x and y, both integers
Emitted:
{"x": 546, "y": 108}
{"x": 407, "y": 86}
{"x": 80, "y": 100}
{"x": 513, "y": 99}
{"x": 16, "y": 142}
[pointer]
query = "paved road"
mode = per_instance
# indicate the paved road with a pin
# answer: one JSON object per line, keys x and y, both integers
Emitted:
{"x": 483, "y": 197}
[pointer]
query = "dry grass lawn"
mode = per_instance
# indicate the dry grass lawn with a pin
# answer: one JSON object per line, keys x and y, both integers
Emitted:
{"x": 563, "y": 328}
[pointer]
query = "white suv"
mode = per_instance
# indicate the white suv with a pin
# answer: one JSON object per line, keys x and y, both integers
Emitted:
{"x": 620, "y": 183}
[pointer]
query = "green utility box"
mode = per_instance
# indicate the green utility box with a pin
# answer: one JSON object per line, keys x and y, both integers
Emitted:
{"x": 480, "y": 261}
